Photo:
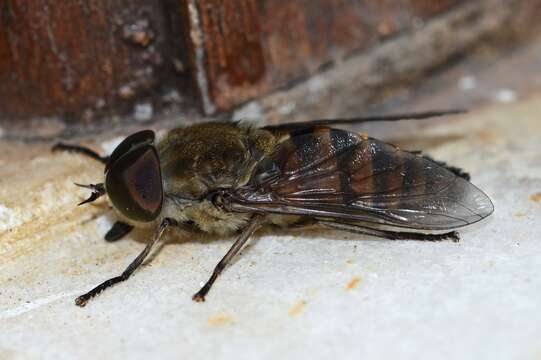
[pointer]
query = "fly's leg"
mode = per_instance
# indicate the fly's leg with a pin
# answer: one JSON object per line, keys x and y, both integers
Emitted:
{"x": 83, "y": 299}
{"x": 391, "y": 235}
{"x": 118, "y": 231}
{"x": 80, "y": 150}
{"x": 452, "y": 235}
{"x": 239, "y": 243}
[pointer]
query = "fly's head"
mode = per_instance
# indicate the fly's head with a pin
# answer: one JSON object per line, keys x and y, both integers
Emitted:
{"x": 133, "y": 179}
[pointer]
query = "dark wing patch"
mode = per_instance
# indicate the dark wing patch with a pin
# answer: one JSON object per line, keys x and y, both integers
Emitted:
{"x": 342, "y": 175}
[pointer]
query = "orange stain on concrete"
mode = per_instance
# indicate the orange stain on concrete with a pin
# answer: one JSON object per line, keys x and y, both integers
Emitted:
{"x": 220, "y": 320}
{"x": 353, "y": 283}
{"x": 297, "y": 308}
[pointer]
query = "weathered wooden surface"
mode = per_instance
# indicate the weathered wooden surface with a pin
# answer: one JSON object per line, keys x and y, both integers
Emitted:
{"x": 244, "y": 48}
{"x": 364, "y": 80}
{"x": 77, "y": 59}
{"x": 81, "y": 60}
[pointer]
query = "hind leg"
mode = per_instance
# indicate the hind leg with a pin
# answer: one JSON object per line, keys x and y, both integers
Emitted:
{"x": 391, "y": 235}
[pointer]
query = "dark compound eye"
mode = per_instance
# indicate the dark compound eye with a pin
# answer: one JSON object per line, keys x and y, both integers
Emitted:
{"x": 134, "y": 184}
{"x": 139, "y": 138}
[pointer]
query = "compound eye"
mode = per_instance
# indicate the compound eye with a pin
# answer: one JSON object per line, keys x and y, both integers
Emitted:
{"x": 129, "y": 143}
{"x": 134, "y": 184}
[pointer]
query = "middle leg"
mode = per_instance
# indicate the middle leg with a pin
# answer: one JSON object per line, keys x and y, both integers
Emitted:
{"x": 254, "y": 224}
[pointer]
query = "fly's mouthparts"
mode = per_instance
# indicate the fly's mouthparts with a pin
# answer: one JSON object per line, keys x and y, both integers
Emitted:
{"x": 98, "y": 190}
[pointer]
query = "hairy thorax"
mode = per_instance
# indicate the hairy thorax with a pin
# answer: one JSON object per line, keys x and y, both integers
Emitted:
{"x": 203, "y": 158}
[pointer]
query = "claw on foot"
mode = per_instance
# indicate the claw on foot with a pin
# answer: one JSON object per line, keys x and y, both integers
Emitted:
{"x": 198, "y": 298}
{"x": 454, "y": 237}
{"x": 81, "y": 301}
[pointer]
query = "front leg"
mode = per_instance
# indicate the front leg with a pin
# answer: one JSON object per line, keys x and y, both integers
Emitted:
{"x": 83, "y": 299}
{"x": 118, "y": 231}
{"x": 80, "y": 150}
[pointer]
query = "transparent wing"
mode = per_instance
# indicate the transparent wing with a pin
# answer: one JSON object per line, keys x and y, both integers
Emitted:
{"x": 342, "y": 175}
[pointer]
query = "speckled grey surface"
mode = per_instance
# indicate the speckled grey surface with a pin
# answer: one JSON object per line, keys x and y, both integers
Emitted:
{"x": 289, "y": 295}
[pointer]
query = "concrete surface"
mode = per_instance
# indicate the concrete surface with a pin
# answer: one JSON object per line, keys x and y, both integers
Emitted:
{"x": 291, "y": 294}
